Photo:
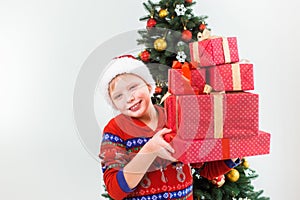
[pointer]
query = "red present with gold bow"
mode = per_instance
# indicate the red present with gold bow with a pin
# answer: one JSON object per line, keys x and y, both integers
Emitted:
{"x": 197, "y": 151}
{"x": 186, "y": 79}
{"x": 217, "y": 115}
{"x": 213, "y": 50}
{"x": 231, "y": 77}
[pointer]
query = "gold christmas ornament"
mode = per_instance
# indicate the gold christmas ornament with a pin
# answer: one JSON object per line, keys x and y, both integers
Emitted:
{"x": 233, "y": 175}
{"x": 246, "y": 164}
{"x": 163, "y": 13}
{"x": 160, "y": 44}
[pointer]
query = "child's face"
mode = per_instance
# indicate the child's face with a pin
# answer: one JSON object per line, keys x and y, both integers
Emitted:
{"x": 130, "y": 94}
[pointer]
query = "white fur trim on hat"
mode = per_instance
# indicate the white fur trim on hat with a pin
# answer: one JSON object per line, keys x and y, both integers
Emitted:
{"x": 124, "y": 65}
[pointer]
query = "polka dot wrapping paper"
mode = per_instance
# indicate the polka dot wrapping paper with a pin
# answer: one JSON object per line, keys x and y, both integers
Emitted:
{"x": 215, "y": 51}
{"x": 197, "y": 151}
{"x": 226, "y": 77}
{"x": 178, "y": 84}
{"x": 223, "y": 124}
{"x": 231, "y": 77}
{"x": 223, "y": 115}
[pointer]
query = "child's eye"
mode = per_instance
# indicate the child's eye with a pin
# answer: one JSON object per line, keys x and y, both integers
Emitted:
{"x": 133, "y": 87}
{"x": 118, "y": 96}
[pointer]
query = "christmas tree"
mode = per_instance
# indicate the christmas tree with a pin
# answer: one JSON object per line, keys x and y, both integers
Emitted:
{"x": 171, "y": 25}
{"x": 235, "y": 185}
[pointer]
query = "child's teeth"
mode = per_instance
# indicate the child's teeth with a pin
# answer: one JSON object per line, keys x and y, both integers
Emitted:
{"x": 134, "y": 106}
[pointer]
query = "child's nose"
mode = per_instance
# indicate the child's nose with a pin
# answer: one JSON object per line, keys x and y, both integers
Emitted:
{"x": 130, "y": 96}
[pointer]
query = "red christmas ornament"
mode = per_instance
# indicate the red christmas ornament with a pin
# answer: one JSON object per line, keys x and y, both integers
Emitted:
{"x": 189, "y": 1}
{"x": 145, "y": 56}
{"x": 186, "y": 35}
{"x": 202, "y": 27}
{"x": 158, "y": 90}
{"x": 218, "y": 181}
{"x": 151, "y": 23}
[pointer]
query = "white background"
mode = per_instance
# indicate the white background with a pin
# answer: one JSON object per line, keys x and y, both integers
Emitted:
{"x": 43, "y": 45}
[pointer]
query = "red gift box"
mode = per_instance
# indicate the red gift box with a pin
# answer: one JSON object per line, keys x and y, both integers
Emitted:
{"x": 215, "y": 51}
{"x": 178, "y": 84}
{"x": 219, "y": 115}
{"x": 196, "y": 151}
{"x": 231, "y": 77}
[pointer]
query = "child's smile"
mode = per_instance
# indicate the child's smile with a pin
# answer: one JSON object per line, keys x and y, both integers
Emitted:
{"x": 136, "y": 106}
{"x": 131, "y": 95}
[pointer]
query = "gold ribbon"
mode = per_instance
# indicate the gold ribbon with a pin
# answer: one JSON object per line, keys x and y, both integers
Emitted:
{"x": 236, "y": 76}
{"x": 218, "y": 115}
{"x": 226, "y": 50}
{"x": 218, "y": 110}
{"x": 196, "y": 55}
{"x": 165, "y": 97}
{"x": 205, "y": 35}
{"x": 207, "y": 89}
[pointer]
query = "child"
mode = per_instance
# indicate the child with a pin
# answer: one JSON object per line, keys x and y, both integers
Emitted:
{"x": 137, "y": 162}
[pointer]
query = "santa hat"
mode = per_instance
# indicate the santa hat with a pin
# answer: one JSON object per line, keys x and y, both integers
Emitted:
{"x": 120, "y": 65}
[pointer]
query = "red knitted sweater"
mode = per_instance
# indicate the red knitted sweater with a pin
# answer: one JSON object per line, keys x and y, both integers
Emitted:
{"x": 123, "y": 137}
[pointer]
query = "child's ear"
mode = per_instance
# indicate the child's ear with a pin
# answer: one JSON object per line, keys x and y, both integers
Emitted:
{"x": 149, "y": 87}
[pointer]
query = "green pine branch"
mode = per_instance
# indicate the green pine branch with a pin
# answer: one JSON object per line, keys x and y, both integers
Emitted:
{"x": 204, "y": 189}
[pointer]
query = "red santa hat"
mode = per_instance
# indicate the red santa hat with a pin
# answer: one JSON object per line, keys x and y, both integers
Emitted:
{"x": 120, "y": 65}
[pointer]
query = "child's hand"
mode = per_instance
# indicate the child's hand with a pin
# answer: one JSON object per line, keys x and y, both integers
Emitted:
{"x": 159, "y": 146}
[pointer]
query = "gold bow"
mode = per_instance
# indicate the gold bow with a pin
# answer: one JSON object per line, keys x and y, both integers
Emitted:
{"x": 205, "y": 35}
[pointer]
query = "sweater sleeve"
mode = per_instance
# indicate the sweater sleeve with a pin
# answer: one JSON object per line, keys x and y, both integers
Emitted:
{"x": 213, "y": 169}
{"x": 114, "y": 157}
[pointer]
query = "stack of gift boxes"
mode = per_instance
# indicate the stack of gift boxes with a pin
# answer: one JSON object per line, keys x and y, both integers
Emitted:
{"x": 210, "y": 108}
